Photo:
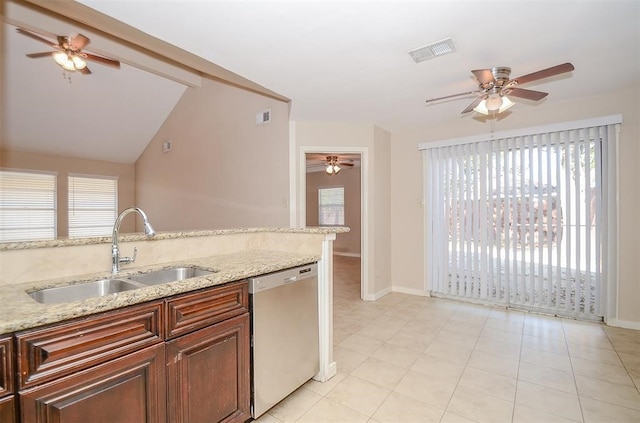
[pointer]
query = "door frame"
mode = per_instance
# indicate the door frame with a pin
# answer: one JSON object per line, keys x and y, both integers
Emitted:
{"x": 364, "y": 196}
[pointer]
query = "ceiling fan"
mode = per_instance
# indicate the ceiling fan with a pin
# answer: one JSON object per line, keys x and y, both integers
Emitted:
{"x": 68, "y": 52}
{"x": 331, "y": 163}
{"x": 494, "y": 86}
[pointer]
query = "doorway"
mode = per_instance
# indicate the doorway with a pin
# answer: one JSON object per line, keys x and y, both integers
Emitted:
{"x": 340, "y": 195}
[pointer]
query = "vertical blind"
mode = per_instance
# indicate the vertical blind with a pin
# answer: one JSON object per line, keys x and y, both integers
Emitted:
{"x": 27, "y": 206}
{"x": 93, "y": 205}
{"x": 520, "y": 220}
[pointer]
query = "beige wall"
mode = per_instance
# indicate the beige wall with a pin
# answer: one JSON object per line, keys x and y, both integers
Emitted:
{"x": 372, "y": 143}
{"x": 349, "y": 178}
{"x": 381, "y": 202}
{"x": 225, "y": 171}
{"x": 407, "y": 252}
{"x": 66, "y": 165}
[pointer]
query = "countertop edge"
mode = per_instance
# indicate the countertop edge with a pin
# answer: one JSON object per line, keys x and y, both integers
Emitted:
{"x": 166, "y": 235}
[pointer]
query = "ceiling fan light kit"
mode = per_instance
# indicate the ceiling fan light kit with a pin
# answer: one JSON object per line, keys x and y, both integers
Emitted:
{"x": 332, "y": 165}
{"x": 69, "y": 54}
{"x": 69, "y": 62}
{"x": 494, "y": 86}
{"x": 495, "y": 103}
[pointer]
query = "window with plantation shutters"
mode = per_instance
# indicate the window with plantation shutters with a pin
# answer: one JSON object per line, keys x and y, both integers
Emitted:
{"x": 331, "y": 206}
{"x": 27, "y": 206}
{"x": 93, "y": 205}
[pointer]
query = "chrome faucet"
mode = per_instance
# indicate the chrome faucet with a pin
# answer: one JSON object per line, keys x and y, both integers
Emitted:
{"x": 115, "y": 250}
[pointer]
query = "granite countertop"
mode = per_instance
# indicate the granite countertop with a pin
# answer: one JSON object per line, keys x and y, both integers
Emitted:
{"x": 19, "y": 311}
{"x": 165, "y": 235}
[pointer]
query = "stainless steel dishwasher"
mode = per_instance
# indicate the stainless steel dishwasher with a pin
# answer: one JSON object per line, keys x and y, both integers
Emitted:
{"x": 284, "y": 334}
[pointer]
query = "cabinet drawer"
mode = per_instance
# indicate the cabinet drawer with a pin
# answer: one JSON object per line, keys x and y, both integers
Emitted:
{"x": 55, "y": 351}
{"x": 194, "y": 311}
{"x": 6, "y": 366}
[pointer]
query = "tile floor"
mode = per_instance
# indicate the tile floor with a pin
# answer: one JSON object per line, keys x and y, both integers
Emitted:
{"x": 410, "y": 359}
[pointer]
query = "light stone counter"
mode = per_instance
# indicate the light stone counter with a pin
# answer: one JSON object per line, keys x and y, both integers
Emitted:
{"x": 19, "y": 311}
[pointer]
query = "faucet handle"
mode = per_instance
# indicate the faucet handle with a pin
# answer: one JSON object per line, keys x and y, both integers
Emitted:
{"x": 127, "y": 260}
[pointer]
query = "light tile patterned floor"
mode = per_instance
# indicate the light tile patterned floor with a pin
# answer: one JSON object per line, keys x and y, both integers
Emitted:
{"x": 411, "y": 359}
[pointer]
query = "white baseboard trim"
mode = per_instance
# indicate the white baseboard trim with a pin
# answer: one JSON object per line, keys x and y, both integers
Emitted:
{"x": 338, "y": 253}
{"x": 332, "y": 370}
{"x": 377, "y": 295}
{"x": 410, "y": 291}
{"x": 626, "y": 324}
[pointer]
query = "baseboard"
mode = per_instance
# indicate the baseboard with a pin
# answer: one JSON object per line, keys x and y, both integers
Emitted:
{"x": 338, "y": 253}
{"x": 377, "y": 295}
{"x": 625, "y": 324}
{"x": 410, "y": 291}
{"x": 332, "y": 370}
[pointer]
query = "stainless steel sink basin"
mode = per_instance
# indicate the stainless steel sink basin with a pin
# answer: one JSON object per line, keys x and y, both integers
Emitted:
{"x": 169, "y": 275}
{"x": 82, "y": 291}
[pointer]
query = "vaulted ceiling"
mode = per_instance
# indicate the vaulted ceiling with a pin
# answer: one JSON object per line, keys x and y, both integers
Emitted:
{"x": 343, "y": 61}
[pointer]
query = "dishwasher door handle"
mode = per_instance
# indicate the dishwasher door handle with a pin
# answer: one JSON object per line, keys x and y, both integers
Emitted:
{"x": 291, "y": 279}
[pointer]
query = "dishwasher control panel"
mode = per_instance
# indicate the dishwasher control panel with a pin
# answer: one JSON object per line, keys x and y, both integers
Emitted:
{"x": 283, "y": 277}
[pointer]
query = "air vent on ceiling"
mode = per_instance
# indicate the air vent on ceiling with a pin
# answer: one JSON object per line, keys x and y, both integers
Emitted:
{"x": 437, "y": 49}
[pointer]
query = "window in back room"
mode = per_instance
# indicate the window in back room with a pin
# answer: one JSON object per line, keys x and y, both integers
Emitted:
{"x": 331, "y": 206}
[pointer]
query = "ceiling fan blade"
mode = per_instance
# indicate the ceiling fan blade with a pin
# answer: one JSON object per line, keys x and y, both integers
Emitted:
{"x": 545, "y": 73}
{"x": 345, "y": 164}
{"x": 36, "y": 37}
{"x": 471, "y": 106}
{"x": 100, "y": 59}
{"x": 526, "y": 94}
{"x": 484, "y": 76}
{"x": 451, "y": 96}
{"x": 85, "y": 71}
{"x": 79, "y": 41}
{"x": 38, "y": 55}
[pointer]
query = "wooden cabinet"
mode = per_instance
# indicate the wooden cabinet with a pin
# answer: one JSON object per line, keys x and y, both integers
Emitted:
{"x": 208, "y": 365}
{"x": 181, "y": 359}
{"x": 208, "y": 374}
{"x": 8, "y": 410}
{"x": 127, "y": 389}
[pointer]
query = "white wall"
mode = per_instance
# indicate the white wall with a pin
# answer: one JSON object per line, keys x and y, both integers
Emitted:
{"x": 407, "y": 252}
{"x": 225, "y": 171}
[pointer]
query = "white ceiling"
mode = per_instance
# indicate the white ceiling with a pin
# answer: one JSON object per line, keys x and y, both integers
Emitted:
{"x": 348, "y": 60}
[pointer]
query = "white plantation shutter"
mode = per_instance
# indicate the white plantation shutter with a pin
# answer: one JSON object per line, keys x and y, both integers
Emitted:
{"x": 93, "y": 205}
{"x": 523, "y": 219}
{"x": 27, "y": 206}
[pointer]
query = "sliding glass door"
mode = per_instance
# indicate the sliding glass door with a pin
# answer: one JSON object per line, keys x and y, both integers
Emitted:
{"x": 520, "y": 221}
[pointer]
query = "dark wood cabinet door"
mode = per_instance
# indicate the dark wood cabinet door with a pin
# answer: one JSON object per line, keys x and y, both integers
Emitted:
{"x": 128, "y": 389}
{"x": 8, "y": 412}
{"x": 208, "y": 374}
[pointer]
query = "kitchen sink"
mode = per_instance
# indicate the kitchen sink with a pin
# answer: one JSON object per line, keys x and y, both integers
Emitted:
{"x": 169, "y": 275}
{"x": 82, "y": 291}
